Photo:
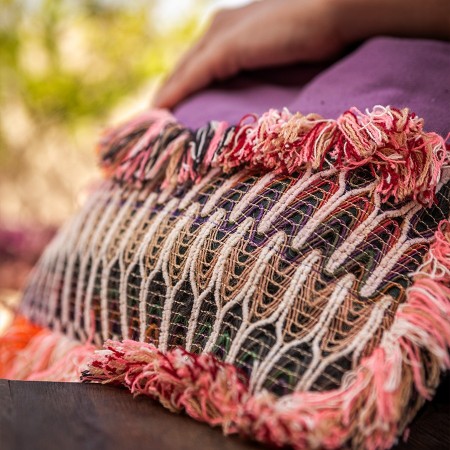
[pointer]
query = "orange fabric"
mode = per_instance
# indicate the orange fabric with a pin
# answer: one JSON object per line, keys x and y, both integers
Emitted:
{"x": 16, "y": 338}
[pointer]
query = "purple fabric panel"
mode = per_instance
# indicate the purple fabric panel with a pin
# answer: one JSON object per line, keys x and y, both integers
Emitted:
{"x": 385, "y": 71}
{"x": 382, "y": 71}
{"x": 249, "y": 92}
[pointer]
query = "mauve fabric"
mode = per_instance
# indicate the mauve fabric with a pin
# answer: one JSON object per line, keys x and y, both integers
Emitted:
{"x": 413, "y": 73}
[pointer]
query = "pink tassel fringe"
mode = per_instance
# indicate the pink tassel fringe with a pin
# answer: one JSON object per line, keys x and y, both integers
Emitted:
{"x": 50, "y": 356}
{"x": 406, "y": 161}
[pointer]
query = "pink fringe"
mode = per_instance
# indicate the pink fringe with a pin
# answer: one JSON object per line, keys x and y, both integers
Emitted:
{"x": 135, "y": 155}
{"x": 207, "y": 389}
{"x": 50, "y": 356}
{"x": 391, "y": 142}
{"x": 371, "y": 409}
{"x": 406, "y": 161}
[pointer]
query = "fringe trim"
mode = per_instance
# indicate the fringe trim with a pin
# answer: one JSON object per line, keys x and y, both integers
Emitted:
{"x": 371, "y": 409}
{"x": 391, "y": 142}
{"x": 15, "y": 339}
{"x": 32, "y": 353}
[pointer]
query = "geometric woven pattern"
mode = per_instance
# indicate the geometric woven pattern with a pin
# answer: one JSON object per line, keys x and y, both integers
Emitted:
{"x": 293, "y": 279}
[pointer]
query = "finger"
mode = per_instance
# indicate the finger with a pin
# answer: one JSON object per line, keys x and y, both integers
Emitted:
{"x": 183, "y": 81}
{"x": 179, "y": 67}
{"x": 217, "y": 23}
{"x": 214, "y": 61}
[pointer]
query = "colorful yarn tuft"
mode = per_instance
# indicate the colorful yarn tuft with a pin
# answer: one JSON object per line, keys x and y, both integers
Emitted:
{"x": 207, "y": 389}
{"x": 29, "y": 352}
{"x": 406, "y": 160}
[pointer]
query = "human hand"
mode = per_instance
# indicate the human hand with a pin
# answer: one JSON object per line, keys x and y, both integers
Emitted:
{"x": 261, "y": 34}
{"x": 275, "y": 32}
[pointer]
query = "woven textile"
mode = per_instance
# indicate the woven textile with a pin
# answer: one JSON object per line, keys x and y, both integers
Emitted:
{"x": 292, "y": 273}
{"x": 300, "y": 275}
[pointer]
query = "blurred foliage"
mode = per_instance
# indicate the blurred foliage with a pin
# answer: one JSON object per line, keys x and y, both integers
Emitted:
{"x": 65, "y": 66}
{"x": 75, "y": 59}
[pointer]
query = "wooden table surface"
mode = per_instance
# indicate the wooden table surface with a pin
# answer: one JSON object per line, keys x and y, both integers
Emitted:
{"x": 69, "y": 416}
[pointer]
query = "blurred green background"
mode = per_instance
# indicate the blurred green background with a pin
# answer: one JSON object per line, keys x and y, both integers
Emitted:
{"x": 68, "y": 68}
